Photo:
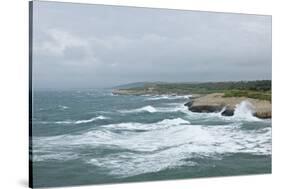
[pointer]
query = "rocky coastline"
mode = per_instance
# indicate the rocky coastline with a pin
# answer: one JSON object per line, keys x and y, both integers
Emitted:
{"x": 213, "y": 102}
{"x": 210, "y": 97}
{"x": 216, "y": 102}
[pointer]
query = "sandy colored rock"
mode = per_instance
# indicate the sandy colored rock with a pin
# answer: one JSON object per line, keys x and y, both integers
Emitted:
{"x": 215, "y": 102}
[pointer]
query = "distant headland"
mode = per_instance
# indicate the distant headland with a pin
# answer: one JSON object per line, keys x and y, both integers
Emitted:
{"x": 210, "y": 96}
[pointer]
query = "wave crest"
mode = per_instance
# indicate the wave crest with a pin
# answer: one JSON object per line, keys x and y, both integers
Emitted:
{"x": 152, "y": 109}
{"x": 148, "y": 126}
{"x": 148, "y": 108}
{"x": 171, "y": 145}
{"x": 82, "y": 121}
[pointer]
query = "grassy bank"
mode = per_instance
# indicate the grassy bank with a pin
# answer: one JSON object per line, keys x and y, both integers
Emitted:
{"x": 261, "y": 95}
{"x": 260, "y": 89}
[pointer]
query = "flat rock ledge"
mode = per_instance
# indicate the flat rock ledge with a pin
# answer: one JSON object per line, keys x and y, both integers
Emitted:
{"x": 215, "y": 102}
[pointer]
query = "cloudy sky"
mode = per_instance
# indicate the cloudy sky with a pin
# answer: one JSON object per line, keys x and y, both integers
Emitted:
{"x": 89, "y": 46}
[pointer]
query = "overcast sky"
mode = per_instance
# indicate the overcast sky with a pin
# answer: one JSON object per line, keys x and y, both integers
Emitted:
{"x": 89, "y": 46}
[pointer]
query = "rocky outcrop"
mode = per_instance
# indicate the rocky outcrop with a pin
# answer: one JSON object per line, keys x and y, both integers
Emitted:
{"x": 205, "y": 108}
{"x": 189, "y": 103}
{"x": 215, "y": 102}
{"x": 228, "y": 112}
{"x": 263, "y": 115}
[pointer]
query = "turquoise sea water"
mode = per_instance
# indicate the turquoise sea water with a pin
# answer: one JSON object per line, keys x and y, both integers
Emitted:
{"x": 93, "y": 137}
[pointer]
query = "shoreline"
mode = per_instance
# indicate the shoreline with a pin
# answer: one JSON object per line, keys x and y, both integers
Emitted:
{"x": 211, "y": 97}
{"x": 212, "y": 102}
{"x": 216, "y": 102}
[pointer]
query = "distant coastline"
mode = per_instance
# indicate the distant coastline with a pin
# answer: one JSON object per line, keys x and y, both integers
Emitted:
{"x": 211, "y": 96}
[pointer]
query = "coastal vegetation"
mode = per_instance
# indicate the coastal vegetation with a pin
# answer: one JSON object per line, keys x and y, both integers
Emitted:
{"x": 261, "y": 95}
{"x": 259, "y": 89}
{"x": 211, "y": 96}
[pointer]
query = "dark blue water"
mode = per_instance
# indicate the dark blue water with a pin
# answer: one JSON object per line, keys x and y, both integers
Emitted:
{"x": 93, "y": 137}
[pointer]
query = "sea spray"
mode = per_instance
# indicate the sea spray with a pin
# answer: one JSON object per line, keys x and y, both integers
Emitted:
{"x": 245, "y": 111}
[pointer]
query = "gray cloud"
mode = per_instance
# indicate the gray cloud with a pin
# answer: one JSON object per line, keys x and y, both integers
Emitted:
{"x": 78, "y": 46}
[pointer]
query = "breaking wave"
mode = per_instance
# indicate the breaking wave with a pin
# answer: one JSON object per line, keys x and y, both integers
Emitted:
{"x": 84, "y": 120}
{"x": 146, "y": 127}
{"x": 125, "y": 146}
{"x": 61, "y": 107}
{"x": 165, "y": 144}
{"x": 151, "y": 109}
{"x": 242, "y": 112}
{"x": 75, "y": 122}
{"x": 245, "y": 110}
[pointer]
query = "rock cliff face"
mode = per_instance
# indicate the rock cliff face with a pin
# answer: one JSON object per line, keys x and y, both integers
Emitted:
{"x": 226, "y": 105}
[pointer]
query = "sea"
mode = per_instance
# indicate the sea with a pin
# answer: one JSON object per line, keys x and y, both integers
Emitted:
{"x": 83, "y": 137}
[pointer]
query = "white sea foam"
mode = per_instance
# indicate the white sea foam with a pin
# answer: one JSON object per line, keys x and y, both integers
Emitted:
{"x": 81, "y": 121}
{"x": 177, "y": 121}
{"x": 166, "y": 144}
{"x": 171, "y": 147}
{"x": 63, "y": 122}
{"x": 151, "y": 126}
{"x": 62, "y": 156}
{"x": 151, "y": 109}
{"x": 245, "y": 111}
{"x": 158, "y": 97}
{"x": 90, "y": 120}
{"x": 61, "y": 107}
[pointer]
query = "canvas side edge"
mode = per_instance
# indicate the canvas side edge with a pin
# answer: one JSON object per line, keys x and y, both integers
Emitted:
{"x": 30, "y": 5}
